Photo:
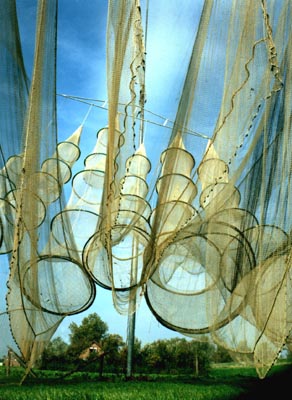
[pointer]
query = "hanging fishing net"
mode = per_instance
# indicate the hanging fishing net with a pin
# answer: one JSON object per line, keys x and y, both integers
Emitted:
{"x": 191, "y": 211}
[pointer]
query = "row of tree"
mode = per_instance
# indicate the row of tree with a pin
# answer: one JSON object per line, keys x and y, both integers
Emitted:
{"x": 176, "y": 355}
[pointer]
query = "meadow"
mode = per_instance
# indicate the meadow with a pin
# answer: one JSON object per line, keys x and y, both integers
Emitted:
{"x": 223, "y": 382}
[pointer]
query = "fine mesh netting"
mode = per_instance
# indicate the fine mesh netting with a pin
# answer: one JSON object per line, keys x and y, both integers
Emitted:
{"x": 191, "y": 211}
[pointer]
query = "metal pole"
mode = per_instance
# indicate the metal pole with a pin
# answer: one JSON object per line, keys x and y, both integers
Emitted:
{"x": 132, "y": 311}
{"x": 131, "y": 341}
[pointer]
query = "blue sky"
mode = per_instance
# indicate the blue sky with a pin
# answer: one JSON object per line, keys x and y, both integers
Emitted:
{"x": 81, "y": 71}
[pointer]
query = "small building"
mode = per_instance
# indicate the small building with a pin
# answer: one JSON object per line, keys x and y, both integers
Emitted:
{"x": 11, "y": 360}
{"x": 94, "y": 349}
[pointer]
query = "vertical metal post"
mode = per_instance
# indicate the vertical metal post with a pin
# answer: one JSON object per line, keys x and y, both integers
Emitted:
{"x": 131, "y": 341}
{"x": 132, "y": 311}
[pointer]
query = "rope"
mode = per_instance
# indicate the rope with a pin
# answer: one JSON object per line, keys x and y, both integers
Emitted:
{"x": 87, "y": 115}
{"x": 164, "y": 124}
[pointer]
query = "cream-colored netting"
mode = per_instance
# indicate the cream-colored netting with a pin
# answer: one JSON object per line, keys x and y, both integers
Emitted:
{"x": 228, "y": 267}
{"x": 201, "y": 228}
{"x": 38, "y": 296}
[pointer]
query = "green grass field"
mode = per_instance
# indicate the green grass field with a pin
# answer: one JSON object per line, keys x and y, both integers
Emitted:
{"x": 222, "y": 383}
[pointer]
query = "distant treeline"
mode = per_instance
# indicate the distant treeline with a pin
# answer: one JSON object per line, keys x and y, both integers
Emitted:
{"x": 162, "y": 356}
{"x": 92, "y": 348}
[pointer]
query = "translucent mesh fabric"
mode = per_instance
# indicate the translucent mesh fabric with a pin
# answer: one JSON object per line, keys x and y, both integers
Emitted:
{"x": 38, "y": 296}
{"x": 194, "y": 214}
{"x": 228, "y": 267}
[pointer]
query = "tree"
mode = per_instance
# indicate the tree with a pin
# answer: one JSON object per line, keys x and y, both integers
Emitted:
{"x": 221, "y": 355}
{"x": 92, "y": 329}
{"x": 202, "y": 356}
{"x": 55, "y": 355}
{"x": 157, "y": 356}
{"x": 178, "y": 356}
{"x": 113, "y": 345}
{"x": 57, "y": 347}
{"x": 138, "y": 359}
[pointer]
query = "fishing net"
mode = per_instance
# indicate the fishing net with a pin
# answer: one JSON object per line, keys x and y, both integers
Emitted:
{"x": 191, "y": 211}
{"x": 34, "y": 169}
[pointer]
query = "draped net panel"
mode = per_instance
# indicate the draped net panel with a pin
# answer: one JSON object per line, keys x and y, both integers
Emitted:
{"x": 197, "y": 223}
